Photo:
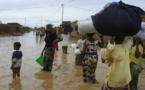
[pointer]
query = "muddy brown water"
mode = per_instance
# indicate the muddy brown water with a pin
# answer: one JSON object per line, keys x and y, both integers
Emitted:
{"x": 65, "y": 75}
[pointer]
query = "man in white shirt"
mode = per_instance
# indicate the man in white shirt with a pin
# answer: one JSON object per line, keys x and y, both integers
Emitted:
{"x": 65, "y": 42}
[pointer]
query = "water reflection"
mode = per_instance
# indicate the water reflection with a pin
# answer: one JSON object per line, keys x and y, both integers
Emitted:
{"x": 47, "y": 78}
{"x": 64, "y": 58}
{"x": 39, "y": 39}
{"x": 15, "y": 84}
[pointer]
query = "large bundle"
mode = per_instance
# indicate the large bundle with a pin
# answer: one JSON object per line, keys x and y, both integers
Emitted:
{"x": 67, "y": 26}
{"x": 118, "y": 19}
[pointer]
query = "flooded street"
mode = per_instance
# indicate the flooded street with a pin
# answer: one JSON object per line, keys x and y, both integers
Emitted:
{"x": 65, "y": 74}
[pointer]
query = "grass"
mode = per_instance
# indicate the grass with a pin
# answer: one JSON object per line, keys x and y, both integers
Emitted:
{"x": 74, "y": 39}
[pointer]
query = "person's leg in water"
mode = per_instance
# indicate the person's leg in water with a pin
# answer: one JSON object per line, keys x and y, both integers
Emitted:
{"x": 86, "y": 71}
{"x": 46, "y": 60}
{"x": 18, "y": 72}
{"x": 14, "y": 75}
{"x": 64, "y": 49}
{"x": 50, "y": 61}
{"x": 93, "y": 67}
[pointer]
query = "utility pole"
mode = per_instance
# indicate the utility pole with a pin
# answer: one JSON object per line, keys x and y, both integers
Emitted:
{"x": 62, "y": 5}
{"x": 41, "y": 21}
{"x": 25, "y": 21}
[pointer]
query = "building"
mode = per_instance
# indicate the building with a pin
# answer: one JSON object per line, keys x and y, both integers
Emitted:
{"x": 0, "y": 22}
{"x": 11, "y": 29}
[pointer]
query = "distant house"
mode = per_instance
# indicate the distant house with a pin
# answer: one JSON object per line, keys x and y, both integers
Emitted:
{"x": 15, "y": 27}
{"x": 11, "y": 28}
{"x": 75, "y": 32}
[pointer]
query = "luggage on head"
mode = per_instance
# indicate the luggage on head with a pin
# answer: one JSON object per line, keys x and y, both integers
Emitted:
{"x": 86, "y": 26}
{"x": 118, "y": 18}
{"x": 67, "y": 26}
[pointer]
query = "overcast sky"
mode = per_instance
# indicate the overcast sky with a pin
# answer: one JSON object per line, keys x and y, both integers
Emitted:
{"x": 40, "y": 12}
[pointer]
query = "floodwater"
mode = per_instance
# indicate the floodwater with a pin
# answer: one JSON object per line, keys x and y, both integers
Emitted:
{"x": 65, "y": 75}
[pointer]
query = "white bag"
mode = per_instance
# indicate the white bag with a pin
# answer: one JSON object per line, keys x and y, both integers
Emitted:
{"x": 77, "y": 51}
{"x": 74, "y": 46}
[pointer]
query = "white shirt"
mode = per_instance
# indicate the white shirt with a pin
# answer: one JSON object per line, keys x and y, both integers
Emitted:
{"x": 65, "y": 41}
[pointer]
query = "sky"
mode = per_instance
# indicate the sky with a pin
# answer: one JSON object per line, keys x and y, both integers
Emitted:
{"x": 36, "y": 13}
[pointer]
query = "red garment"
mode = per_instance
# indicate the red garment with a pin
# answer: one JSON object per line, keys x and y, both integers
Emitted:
{"x": 55, "y": 45}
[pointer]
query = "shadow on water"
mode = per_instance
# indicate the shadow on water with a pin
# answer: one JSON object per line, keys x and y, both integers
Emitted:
{"x": 15, "y": 84}
{"x": 64, "y": 58}
{"x": 47, "y": 79}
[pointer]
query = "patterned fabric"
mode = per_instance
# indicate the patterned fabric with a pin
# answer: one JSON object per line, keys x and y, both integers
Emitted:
{"x": 50, "y": 37}
{"x": 48, "y": 58}
{"x": 106, "y": 87}
{"x": 90, "y": 60}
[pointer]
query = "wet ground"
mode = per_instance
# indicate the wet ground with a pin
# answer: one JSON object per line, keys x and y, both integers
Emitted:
{"x": 65, "y": 75}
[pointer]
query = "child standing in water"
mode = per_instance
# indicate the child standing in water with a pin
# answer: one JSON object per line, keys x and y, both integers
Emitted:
{"x": 16, "y": 60}
{"x": 90, "y": 59}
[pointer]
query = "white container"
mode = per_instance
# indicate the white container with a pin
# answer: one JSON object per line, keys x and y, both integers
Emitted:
{"x": 86, "y": 26}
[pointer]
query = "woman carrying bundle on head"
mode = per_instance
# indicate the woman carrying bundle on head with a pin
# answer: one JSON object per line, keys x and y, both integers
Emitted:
{"x": 117, "y": 58}
{"x": 90, "y": 58}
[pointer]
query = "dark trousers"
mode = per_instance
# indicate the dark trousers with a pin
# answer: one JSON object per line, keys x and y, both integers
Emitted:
{"x": 78, "y": 59}
{"x": 64, "y": 49}
{"x": 48, "y": 59}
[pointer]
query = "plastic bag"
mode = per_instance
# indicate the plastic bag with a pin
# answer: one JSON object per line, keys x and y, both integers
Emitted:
{"x": 40, "y": 60}
{"x": 77, "y": 51}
